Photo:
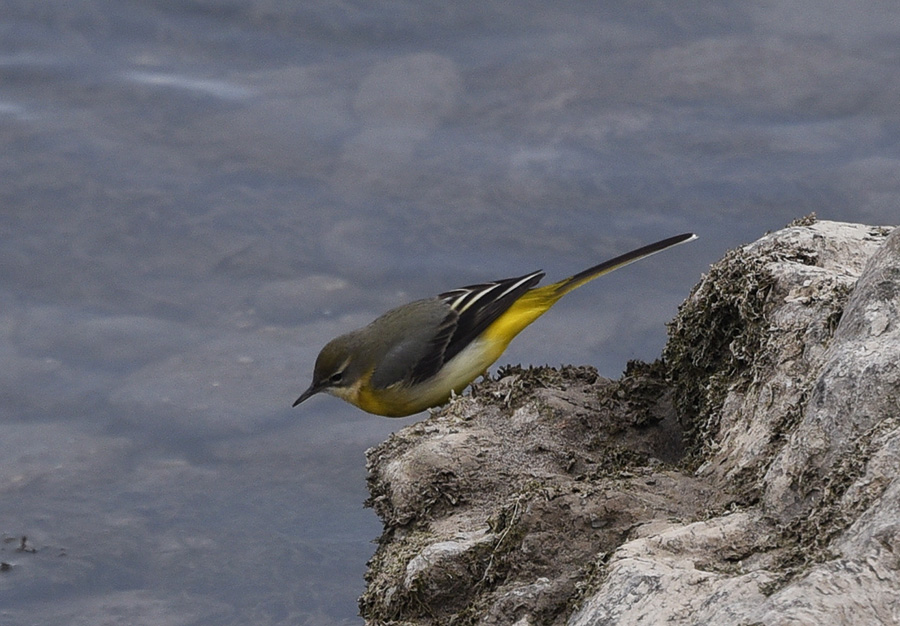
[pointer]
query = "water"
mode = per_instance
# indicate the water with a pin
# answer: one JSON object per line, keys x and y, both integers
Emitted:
{"x": 196, "y": 196}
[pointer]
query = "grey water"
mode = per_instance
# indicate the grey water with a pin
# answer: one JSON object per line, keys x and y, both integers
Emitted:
{"x": 195, "y": 196}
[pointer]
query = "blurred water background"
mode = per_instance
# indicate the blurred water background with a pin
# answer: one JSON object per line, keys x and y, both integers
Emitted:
{"x": 196, "y": 195}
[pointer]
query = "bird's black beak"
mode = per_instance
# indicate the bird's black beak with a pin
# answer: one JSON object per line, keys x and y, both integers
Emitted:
{"x": 313, "y": 390}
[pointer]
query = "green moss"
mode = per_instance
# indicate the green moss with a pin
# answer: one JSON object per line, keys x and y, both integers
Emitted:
{"x": 806, "y": 220}
{"x": 718, "y": 334}
{"x": 383, "y": 600}
{"x": 507, "y": 525}
{"x": 590, "y": 579}
{"x": 808, "y": 537}
{"x": 638, "y": 392}
{"x": 515, "y": 385}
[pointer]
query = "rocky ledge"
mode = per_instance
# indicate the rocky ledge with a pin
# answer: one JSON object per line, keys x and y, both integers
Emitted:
{"x": 749, "y": 476}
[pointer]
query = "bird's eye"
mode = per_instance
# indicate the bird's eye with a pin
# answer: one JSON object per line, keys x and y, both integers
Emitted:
{"x": 336, "y": 378}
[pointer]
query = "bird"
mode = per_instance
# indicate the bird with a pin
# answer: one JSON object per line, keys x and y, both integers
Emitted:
{"x": 418, "y": 355}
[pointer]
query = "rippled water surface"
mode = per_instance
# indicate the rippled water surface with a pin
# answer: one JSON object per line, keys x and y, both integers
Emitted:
{"x": 195, "y": 196}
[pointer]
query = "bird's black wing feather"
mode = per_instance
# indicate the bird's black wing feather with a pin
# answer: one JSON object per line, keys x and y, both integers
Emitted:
{"x": 471, "y": 310}
{"x": 435, "y": 355}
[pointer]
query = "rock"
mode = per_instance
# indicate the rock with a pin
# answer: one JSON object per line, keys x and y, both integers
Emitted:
{"x": 690, "y": 574}
{"x": 748, "y": 476}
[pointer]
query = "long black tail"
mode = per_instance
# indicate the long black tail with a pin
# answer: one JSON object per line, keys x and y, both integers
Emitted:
{"x": 573, "y": 282}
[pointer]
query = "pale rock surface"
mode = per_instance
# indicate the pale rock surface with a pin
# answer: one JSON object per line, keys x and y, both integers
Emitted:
{"x": 750, "y": 477}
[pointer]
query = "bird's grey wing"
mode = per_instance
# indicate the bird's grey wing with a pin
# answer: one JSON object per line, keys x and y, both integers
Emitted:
{"x": 415, "y": 338}
{"x": 437, "y": 329}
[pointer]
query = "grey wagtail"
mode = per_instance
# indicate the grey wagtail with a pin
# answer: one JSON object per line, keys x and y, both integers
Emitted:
{"x": 415, "y": 356}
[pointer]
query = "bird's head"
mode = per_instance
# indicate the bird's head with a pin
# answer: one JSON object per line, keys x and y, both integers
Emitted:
{"x": 338, "y": 371}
